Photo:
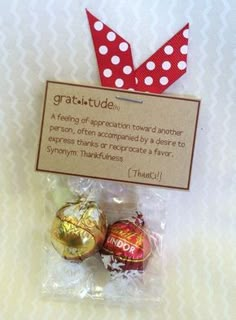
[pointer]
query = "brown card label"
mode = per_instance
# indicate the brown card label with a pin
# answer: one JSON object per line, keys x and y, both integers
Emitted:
{"x": 118, "y": 135}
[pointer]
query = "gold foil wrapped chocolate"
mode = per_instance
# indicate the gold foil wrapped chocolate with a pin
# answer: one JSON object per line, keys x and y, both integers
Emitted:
{"x": 79, "y": 229}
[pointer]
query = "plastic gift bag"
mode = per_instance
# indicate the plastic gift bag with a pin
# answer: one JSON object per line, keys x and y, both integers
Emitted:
{"x": 135, "y": 225}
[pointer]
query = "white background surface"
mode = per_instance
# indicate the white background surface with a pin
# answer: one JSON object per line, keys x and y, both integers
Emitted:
{"x": 42, "y": 40}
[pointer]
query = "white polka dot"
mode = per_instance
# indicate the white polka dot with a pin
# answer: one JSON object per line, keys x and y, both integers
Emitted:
{"x": 136, "y": 80}
{"x": 103, "y": 50}
{"x": 148, "y": 81}
{"x": 111, "y": 36}
{"x": 119, "y": 83}
{"x": 98, "y": 25}
{"x": 150, "y": 65}
{"x": 107, "y": 73}
{"x": 131, "y": 89}
{"x": 185, "y": 33}
{"x": 166, "y": 65}
{"x": 164, "y": 80}
{"x": 115, "y": 60}
{"x": 182, "y": 65}
{"x": 123, "y": 46}
{"x": 184, "y": 49}
{"x": 168, "y": 49}
{"x": 127, "y": 70}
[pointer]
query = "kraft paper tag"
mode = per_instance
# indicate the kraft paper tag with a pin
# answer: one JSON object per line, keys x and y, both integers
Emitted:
{"x": 118, "y": 135}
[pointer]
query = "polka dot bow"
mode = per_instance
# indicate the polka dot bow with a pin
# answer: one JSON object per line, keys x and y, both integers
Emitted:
{"x": 115, "y": 61}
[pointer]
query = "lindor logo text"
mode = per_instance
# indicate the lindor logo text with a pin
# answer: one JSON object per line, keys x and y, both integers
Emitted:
{"x": 121, "y": 244}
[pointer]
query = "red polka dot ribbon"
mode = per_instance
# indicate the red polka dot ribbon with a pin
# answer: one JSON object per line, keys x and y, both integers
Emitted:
{"x": 115, "y": 60}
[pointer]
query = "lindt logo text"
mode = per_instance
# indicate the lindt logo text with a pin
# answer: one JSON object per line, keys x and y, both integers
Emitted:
{"x": 86, "y": 102}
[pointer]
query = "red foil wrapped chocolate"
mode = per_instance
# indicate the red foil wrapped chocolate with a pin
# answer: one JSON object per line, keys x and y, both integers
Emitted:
{"x": 127, "y": 245}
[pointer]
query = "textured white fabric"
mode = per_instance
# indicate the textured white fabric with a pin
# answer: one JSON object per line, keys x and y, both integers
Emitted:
{"x": 42, "y": 40}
